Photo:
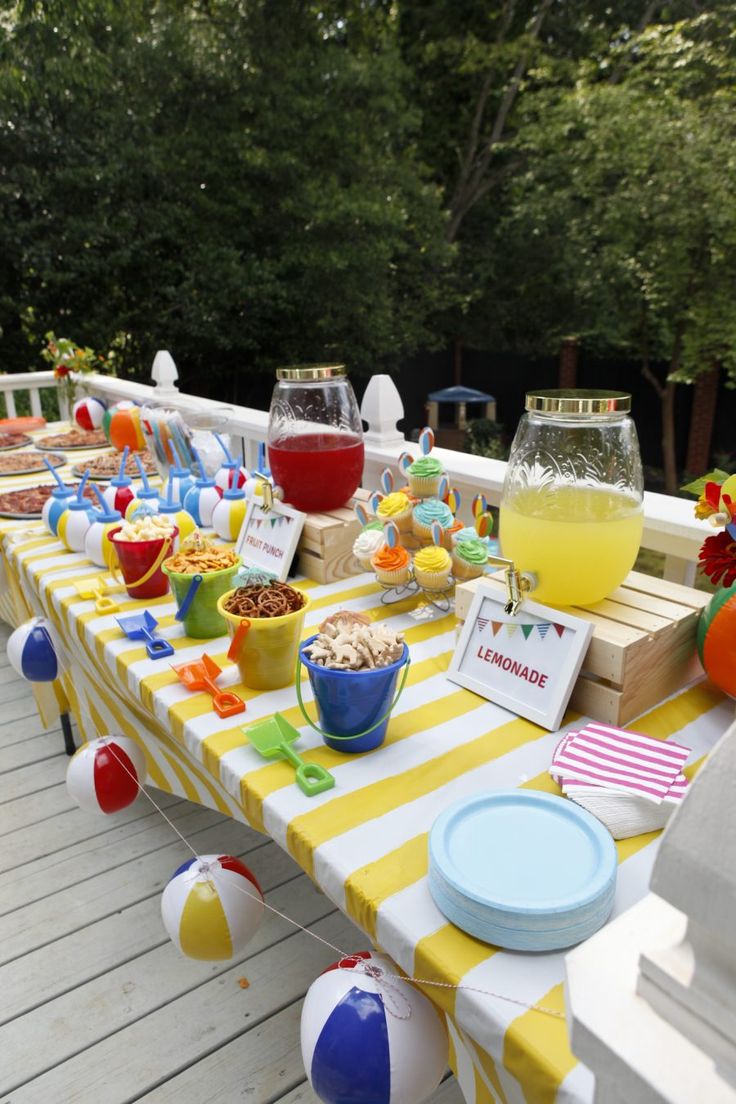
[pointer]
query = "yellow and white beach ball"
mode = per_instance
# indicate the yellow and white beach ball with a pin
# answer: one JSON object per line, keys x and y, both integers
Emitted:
{"x": 211, "y": 907}
{"x": 229, "y": 514}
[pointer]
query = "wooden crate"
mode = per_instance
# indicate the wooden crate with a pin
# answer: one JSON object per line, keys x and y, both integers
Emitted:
{"x": 642, "y": 648}
{"x": 325, "y": 549}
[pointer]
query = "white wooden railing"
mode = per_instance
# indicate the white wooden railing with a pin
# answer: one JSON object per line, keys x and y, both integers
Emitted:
{"x": 669, "y": 525}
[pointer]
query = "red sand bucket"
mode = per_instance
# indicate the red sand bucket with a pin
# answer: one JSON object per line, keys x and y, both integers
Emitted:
{"x": 140, "y": 564}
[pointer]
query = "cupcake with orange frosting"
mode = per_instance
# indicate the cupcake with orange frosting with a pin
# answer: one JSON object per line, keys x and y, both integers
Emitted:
{"x": 391, "y": 565}
{"x": 432, "y": 568}
{"x": 395, "y": 507}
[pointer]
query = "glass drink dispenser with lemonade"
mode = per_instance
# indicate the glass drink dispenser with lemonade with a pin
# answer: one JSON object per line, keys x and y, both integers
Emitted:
{"x": 571, "y": 511}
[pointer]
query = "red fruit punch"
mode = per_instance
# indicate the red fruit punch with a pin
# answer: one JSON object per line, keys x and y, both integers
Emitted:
{"x": 318, "y": 471}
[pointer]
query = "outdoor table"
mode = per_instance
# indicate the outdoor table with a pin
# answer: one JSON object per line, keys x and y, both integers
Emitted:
{"x": 364, "y": 842}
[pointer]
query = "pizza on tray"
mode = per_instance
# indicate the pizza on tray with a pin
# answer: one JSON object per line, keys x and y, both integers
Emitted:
{"x": 13, "y": 441}
{"x": 73, "y": 439}
{"x": 29, "y": 501}
{"x": 105, "y": 467}
{"x": 22, "y": 463}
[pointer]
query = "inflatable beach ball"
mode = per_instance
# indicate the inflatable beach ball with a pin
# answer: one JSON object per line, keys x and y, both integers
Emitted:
{"x": 88, "y": 413}
{"x": 212, "y": 907}
{"x": 122, "y": 426}
{"x": 716, "y": 639}
{"x": 370, "y": 1039}
{"x": 35, "y": 651}
{"x": 105, "y": 775}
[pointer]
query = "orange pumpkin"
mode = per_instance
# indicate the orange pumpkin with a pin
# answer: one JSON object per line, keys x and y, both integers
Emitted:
{"x": 716, "y": 639}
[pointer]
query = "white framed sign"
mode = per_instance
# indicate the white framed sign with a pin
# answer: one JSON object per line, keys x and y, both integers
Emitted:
{"x": 268, "y": 537}
{"x": 527, "y": 663}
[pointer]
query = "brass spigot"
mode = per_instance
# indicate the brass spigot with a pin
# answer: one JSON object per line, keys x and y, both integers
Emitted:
{"x": 518, "y": 583}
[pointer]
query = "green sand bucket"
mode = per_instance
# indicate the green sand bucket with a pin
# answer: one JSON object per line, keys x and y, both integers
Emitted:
{"x": 197, "y": 597}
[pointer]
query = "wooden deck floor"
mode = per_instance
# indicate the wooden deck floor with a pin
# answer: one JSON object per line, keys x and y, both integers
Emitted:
{"x": 96, "y": 1005}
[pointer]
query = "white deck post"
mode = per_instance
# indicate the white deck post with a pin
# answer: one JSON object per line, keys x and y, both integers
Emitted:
{"x": 652, "y": 997}
{"x": 164, "y": 373}
{"x": 381, "y": 408}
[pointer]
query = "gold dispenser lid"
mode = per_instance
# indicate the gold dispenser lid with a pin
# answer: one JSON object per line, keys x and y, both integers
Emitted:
{"x": 572, "y": 401}
{"x": 309, "y": 373}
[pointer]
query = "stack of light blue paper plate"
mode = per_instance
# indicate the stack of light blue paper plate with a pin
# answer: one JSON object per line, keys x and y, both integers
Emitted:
{"x": 522, "y": 870}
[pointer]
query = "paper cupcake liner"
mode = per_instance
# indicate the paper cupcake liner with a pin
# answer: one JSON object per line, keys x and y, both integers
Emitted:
{"x": 432, "y": 580}
{"x": 425, "y": 486}
{"x": 365, "y": 562}
{"x": 423, "y": 532}
{"x": 464, "y": 570}
{"x": 402, "y": 521}
{"x": 392, "y": 578}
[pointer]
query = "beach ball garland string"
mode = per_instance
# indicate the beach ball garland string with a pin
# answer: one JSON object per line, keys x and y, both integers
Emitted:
{"x": 400, "y": 1055}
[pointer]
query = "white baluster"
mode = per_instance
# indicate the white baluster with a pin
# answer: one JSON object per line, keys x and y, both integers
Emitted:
{"x": 164, "y": 372}
{"x": 382, "y": 408}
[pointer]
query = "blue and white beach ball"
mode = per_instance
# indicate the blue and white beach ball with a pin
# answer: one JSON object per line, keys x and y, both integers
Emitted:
{"x": 370, "y": 1039}
{"x": 200, "y": 502}
{"x": 88, "y": 413}
{"x": 106, "y": 774}
{"x": 211, "y": 907}
{"x": 35, "y": 651}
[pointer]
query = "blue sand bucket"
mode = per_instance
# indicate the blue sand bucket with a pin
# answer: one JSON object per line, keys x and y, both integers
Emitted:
{"x": 354, "y": 707}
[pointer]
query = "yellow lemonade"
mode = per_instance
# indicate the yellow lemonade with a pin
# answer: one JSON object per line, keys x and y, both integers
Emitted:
{"x": 580, "y": 542}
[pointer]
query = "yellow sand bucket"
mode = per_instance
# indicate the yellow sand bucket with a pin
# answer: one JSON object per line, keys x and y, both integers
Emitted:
{"x": 264, "y": 648}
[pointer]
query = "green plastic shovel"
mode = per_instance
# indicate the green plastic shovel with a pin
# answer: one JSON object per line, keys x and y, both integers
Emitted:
{"x": 273, "y": 738}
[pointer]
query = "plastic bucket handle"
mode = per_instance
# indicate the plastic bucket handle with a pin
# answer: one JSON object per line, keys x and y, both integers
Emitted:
{"x": 237, "y": 640}
{"x": 162, "y": 554}
{"x": 356, "y": 735}
{"x": 183, "y": 609}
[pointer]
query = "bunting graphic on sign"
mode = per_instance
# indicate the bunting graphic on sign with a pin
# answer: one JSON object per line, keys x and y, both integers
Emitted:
{"x": 482, "y": 622}
{"x": 544, "y": 627}
{"x": 559, "y": 629}
{"x": 511, "y": 628}
{"x": 496, "y": 625}
{"x": 527, "y": 630}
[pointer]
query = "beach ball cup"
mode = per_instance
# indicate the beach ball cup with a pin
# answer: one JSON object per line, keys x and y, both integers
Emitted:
{"x": 212, "y": 907}
{"x": 35, "y": 651}
{"x": 88, "y": 413}
{"x": 368, "y": 1038}
{"x": 105, "y": 775}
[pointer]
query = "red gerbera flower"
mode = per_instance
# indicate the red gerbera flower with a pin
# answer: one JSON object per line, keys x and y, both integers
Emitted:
{"x": 717, "y": 558}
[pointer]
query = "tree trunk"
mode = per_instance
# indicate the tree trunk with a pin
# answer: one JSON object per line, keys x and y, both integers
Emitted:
{"x": 669, "y": 455}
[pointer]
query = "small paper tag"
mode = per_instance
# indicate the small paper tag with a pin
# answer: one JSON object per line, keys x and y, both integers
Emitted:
{"x": 268, "y": 537}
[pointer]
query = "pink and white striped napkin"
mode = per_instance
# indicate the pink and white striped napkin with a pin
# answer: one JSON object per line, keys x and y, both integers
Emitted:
{"x": 631, "y": 782}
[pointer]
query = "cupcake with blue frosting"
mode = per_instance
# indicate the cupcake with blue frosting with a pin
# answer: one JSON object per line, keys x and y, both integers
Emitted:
{"x": 423, "y": 514}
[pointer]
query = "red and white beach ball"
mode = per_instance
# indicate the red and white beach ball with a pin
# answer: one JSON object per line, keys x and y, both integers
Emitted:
{"x": 88, "y": 413}
{"x": 35, "y": 651}
{"x": 105, "y": 775}
{"x": 368, "y": 1038}
{"x": 211, "y": 907}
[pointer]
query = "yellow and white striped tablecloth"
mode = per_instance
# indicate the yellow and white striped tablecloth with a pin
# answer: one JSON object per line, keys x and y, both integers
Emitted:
{"x": 365, "y": 841}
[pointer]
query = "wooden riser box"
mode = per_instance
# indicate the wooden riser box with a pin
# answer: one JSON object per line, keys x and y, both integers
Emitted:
{"x": 325, "y": 550}
{"x": 642, "y": 648}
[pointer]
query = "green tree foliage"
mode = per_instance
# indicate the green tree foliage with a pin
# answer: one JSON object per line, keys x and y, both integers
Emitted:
{"x": 626, "y": 212}
{"x": 236, "y": 181}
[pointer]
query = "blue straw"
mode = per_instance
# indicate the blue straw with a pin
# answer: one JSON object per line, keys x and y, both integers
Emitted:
{"x": 228, "y": 455}
{"x": 53, "y": 471}
{"x": 203, "y": 473}
{"x": 142, "y": 470}
{"x": 82, "y": 485}
{"x": 123, "y": 462}
{"x": 100, "y": 498}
